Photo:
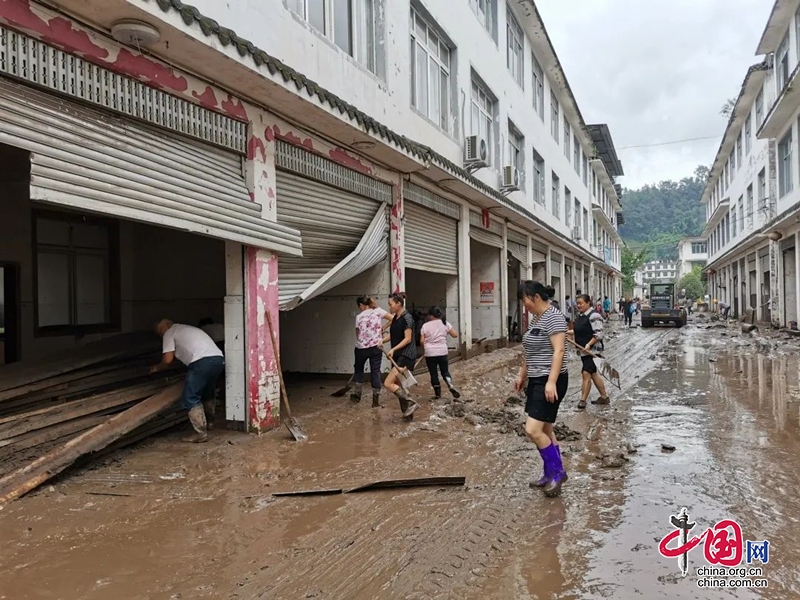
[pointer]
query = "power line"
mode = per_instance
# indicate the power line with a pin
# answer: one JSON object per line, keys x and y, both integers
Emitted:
{"x": 698, "y": 139}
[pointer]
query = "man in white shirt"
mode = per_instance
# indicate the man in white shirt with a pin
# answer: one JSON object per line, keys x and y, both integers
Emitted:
{"x": 195, "y": 349}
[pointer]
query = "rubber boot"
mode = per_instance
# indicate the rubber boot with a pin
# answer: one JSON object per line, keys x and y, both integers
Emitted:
{"x": 376, "y": 398}
{"x": 546, "y": 477}
{"x": 553, "y": 487}
{"x": 355, "y": 393}
{"x": 197, "y": 417}
{"x": 437, "y": 392}
{"x": 456, "y": 394}
{"x": 407, "y": 405}
{"x": 210, "y": 410}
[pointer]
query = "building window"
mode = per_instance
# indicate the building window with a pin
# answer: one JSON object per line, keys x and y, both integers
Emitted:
{"x": 554, "y": 122}
{"x": 759, "y": 109}
{"x": 698, "y": 247}
{"x": 585, "y": 169}
{"x": 76, "y": 262}
{"x": 538, "y": 178}
{"x": 762, "y": 193}
{"x": 486, "y": 11}
{"x": 567, "y": 138}
{"x": 567, "y": 206}
{"x": 430, "y": 72}
{"x": 785, "y": 165}
{"x": 538, "y": 87}
{"x": 516, "y": 152}
{"x": 782, "y": 63}
{"x": 585, "y": 222}
{"x": 732, "y": 167}
{"x": 515, "y": 47}
{"x": 483, "y": 115}
{"x": 556, "y": 196}
{"x": 748, "y": 134}
{"x": 750, "y": 206}
{"x": 576, "y": 155}
{"x": 739, "y": 151}
{"x": 332, "y": 18}
{"x": 733, "y": 223}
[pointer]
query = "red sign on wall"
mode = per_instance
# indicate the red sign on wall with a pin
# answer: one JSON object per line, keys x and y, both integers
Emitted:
{"x": 486, "y": 220}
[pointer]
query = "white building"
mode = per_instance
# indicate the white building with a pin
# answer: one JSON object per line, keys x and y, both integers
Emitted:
{"x": 640, "y": 290}
{"x": 295, "y": 154}
{"x": 659, "y": 270}
{"x": 692, "y": 252}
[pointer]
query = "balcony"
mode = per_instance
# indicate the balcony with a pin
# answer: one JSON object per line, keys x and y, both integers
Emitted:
{"x": 784, "y": 108}
{"x": 719, "y": 212}
{"x": 602, "y": 218}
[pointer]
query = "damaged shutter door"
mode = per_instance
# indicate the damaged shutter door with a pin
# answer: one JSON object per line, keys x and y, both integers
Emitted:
{"x": 517, "y": 244}
{"x": 431, "y": 240}
{"x": 343, "y": 234}
{"x": 490, "y": 237}
{"x": 82, "y": 158}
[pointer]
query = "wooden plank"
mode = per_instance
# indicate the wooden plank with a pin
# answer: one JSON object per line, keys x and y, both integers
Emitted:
{"x": 29, "y": 477}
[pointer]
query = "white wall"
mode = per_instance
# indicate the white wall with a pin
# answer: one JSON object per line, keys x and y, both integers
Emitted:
{"x": 485, "y": 267}
{"x": 425, "y": 290}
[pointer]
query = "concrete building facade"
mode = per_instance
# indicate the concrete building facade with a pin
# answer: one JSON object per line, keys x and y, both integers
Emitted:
{"x": 692, "y": 252}
{"x": 659, "y": 270}
{"x": 348, "y": 148}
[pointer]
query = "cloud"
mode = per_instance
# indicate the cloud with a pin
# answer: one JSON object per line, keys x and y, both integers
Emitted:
{"x": 656, "y": 72}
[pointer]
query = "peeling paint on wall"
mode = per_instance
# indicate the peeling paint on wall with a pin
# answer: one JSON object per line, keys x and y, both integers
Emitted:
{"x": 395, "y": 235}
{"x": 343, "y": 158}
{"x": 141, "y": 68}
{"x": 233, "y": 107}
{"x": 269, "y": 135}
{"x": 293, "y": 139}
{"x": 256, "y": 149}
{"x": 208, "y": 99}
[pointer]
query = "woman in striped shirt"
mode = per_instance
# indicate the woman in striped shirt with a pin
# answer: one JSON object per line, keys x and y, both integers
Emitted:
{"x": 544, "y": 376}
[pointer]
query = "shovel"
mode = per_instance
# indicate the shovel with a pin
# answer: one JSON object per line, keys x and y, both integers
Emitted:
{"x": 292, "y": 424}
{"x": 607, "y": 371}
{"x": 406, "y": 377}
{"x": 342, "y": 391}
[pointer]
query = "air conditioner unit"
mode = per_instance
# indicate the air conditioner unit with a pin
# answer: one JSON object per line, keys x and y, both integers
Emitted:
{"x": 477, "y": 152}
{"x": 576, "y": 233}
{"x": 510, "y": 179}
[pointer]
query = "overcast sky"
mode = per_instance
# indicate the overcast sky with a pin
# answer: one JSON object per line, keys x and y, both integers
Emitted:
{"x": 656, "y": 72}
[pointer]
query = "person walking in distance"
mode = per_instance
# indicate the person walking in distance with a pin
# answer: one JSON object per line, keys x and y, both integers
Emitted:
{"x": 369, "y": 339}
{"x": 629, "y": 308}
{"x": 621, "y": 309}
{"x": 403, "y": 351}
{"x": 588, "y": 333}
{"x": 544, "y": 377}
{"x": 434, "y": 342}
{"x": 195, "y": 349}
{"x": 606, "y": 308}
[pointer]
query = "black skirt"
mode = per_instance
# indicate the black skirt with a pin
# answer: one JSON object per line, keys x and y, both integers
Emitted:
{"x": 537, "y": 407}
{"x": 589, "y": 365}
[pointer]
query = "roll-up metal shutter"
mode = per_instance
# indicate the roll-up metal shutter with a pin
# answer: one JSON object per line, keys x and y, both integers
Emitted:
{"x": 431, "y": 240}
{"x": 555, "y": 257}
{"x": 343, "y": 234}
{"x": 82, "y": 158}
{"x": 517, "y": 244}
{"x": 492, "y": 237}
{"x": 539, "y": 257}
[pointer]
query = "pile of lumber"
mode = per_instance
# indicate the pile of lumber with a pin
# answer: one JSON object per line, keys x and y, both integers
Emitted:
{"x": 56, "y": 410}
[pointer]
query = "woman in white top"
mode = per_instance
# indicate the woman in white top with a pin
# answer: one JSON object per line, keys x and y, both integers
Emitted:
{"x": 434, "y": 340}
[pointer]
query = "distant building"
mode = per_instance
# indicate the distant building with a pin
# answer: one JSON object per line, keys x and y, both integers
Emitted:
{"x": 659, "y": 270}
{"x": 692, "y": 252}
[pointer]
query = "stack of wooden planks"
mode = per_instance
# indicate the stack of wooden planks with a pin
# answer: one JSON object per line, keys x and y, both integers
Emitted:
{"x": 56, "y": 410}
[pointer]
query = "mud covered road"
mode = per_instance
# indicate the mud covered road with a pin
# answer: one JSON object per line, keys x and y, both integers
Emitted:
{"x": 173, "y": 521}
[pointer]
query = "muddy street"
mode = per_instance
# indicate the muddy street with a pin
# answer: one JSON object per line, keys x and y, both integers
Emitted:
{"x": 166, "y": 520}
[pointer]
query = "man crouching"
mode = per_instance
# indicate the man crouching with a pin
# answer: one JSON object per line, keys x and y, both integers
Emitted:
{"x": 205, "y": 362}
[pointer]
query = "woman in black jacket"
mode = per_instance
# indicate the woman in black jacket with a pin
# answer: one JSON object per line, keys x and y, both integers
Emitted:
{"x": 588, "y": 332}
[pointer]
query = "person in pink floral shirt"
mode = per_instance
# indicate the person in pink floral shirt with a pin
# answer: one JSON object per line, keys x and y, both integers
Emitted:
{"x": 369, "y": 339}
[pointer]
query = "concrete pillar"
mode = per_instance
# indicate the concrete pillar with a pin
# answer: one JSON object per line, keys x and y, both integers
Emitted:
{"x": 260, "y": 287}
{"x": 453, "y": 299}
{"x": 759, "y": 309}
{"x": 504, "y": 292}
{"x": 465, "y": 278}
{"x": 235, "y": 364}
{"x": 797, "y": 275}
{"x": 396, "y": 221}
{"x": 776, "y": 283}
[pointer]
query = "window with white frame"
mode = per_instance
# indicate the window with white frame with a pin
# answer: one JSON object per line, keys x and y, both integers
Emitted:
{"x": 732, "y": 167}
{"x": 516, "y": 152}
{"x": 698, "y": 247}
{"x": 576, "y": 155}
{"x": 748, "y": 134}
{"x": 538, "y": 178}
{"x": 482, "y": 117}
{"x": 567, "y": 138}
{"x": 750, "y": 206}
{"x": 759, "y": 109}
{"x": 762, "y": 192}
{"x": 554, "y": 111}
{"x": 585, "y": 222}
{"x": 515, "y": 46}
{"x": 356, "y": 26}
{"x": 739, "y": 151}
{"x": 485, "y": 11}
{"x": 556, "y": 196}
{"x": 538, "y": 87}
{"x": 785, "y": 165}
{"x": 741, "y": 213}
{"x": 567, "y": 206}
{"x": 585, "y": 170}
{"x": 782, "y": 63}
{"x": 733, "y": 222}
{"x": 430, "y": 72}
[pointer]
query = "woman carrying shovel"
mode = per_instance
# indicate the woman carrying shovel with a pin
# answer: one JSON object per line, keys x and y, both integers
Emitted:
{"x": 434, "y": 340}
{"x": 403, "y": 353}
{"x": 369, "y": 338}
{"x": 588, "y": 333}
{"x": 544, "y": 376}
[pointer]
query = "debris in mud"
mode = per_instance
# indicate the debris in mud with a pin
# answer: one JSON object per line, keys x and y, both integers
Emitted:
{"x": 667, "y": 448}
{"x": 474, "y": 420}
{"x": 617, "y": 461}
{"x": 631, "y": 448}
{"x": 515, "y": 400}
{"x": 565, "y": 434}
{"x": 456, "y": 409}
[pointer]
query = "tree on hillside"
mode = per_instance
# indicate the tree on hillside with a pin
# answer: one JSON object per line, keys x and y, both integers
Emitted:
{"x": 631, "y": 262}
{"x": 693, "y": 284}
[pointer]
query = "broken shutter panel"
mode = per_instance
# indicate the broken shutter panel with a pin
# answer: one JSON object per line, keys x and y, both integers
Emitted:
{"x": 491, "y": 237}
{"x": 333, "y": 223}
{"x": 431, "y": 241}
{"x": 539, "y": 257}
{"x": 82, "y": 158}
{"x": 555, "y": 257}
{"x": 517, "y": 244}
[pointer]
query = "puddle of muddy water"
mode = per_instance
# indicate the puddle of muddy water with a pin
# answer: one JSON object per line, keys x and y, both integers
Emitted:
{"x": 734, "y": 423}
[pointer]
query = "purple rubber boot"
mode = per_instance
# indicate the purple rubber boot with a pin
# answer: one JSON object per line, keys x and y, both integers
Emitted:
{"x": 542, "y": 481}
{"x": 552, "y": 457}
